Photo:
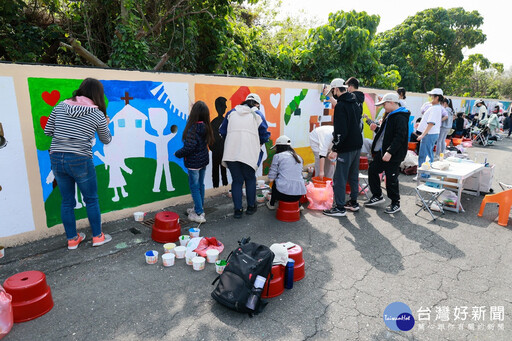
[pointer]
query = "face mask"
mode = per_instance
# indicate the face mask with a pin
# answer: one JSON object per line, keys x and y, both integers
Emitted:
{"x": 336, "y": 97}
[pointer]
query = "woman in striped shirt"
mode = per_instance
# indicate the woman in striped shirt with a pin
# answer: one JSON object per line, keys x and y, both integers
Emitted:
{"x": 72, "y": 126}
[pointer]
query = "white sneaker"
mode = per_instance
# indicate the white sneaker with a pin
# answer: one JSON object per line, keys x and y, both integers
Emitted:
{"x": 190, "y": 210}
{"x": 271, "y": 207}
{"x": 415, "y": 178}
{"x": 193, "y": 216}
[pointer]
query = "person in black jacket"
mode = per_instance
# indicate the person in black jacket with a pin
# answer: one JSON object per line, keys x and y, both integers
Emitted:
{"x": 388, "y": 149}
{"x": 347, "y": 143}
{"x": 197, "y": 135}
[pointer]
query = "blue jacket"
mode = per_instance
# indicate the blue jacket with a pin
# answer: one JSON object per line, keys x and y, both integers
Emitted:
{"x": 195, "y": 150}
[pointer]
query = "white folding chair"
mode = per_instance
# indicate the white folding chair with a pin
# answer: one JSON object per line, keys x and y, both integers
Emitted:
{"x": 434, "y": 195}
{"x": 363, "y": 185}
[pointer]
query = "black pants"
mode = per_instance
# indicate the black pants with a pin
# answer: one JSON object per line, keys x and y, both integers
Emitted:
{"x": 278, "y": 196}
{"x": 216, "y": 164}
{"x": 391, "y": 169}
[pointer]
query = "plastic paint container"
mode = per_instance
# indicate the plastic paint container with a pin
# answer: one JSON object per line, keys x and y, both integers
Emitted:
{"x": 261, "y": 183}
{"x": 260, "y": 198}
{"x": 139, "y": 216}
{"x": 168, "y": 259}
{"x": 219, "y": 266}
{"x": 180, "y": 251}
{"x": 189, "y": 256}
{"x": 169, "y": 247}
{"x": 184, "y": 240}
{"x": 212, "y": 255}
{"x": 198, "y": 263}
{"x": 152, "y": 257}
{"x": 194, "y": 232}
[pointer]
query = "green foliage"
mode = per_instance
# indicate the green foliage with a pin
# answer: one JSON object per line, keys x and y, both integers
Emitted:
{"x": 427, "y": 47}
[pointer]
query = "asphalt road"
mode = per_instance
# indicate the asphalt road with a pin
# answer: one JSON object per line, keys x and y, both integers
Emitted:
{"x": 355, "y": 267}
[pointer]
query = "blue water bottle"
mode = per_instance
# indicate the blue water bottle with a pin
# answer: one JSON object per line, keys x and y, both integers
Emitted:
{"x": 288, "y": 275}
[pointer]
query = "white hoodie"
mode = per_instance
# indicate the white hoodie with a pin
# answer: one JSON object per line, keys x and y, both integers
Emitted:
{"x": 242, "y": 142}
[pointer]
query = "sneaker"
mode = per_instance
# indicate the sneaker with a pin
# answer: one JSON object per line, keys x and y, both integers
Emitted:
{"x": 238, "y": 214}
{"x": 73, "y": 243}
{"x": 102, "y": 239}
{"x": 393, "y": 208}
{"x": 352, "y": 205}
{"x": 198, "y": 218}
{"x": 415, "y": 178}
{"x": 374, "y": 201}
{"x": 271, "y": 207}
{"x": 190, "y": 210}
{"x": 251, "y": 210}
{"x": 335, "y": 212}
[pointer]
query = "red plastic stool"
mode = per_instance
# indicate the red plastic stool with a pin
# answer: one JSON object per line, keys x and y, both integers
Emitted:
{"x": 31, "y": 295}
{"x": 166, "y": 228}
{"x": 276, "y": 283}
{"x": 295, "y": 253}
{"x": 363, "y": 163}
{"x": 303, "y": 199}
{"x": 288, "y": 211}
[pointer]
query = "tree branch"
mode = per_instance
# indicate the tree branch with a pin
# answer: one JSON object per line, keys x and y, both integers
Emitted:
{"x": 81, "y": 51}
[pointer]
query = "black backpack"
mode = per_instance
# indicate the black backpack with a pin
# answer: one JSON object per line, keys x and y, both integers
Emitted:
{"x": 236, "y": 282}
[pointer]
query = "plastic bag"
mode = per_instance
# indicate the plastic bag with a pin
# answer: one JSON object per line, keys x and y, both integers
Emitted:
{"x": 320, "y": 198}
{"x": 448, "y": 199}
{"x": 206, "y": 244}
{"x": 6, "y": 313}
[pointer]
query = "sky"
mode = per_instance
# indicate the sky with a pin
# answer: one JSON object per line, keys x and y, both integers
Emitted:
{"x": 497, "y": 15}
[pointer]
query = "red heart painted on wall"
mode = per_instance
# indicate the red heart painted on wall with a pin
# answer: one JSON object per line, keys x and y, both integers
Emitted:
{"x": 51, "y": 98}
{"x": 42, "y": 121}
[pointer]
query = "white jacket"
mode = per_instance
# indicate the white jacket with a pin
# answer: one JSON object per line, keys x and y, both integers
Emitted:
{"x": 243, "y": 141}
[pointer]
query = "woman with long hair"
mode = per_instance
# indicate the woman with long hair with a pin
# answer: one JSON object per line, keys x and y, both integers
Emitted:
{"x": 197, "y": 135}
{"x": 446, "y": 125}
{"x": 72, "y": 126}
{"x": 286, "y": 172}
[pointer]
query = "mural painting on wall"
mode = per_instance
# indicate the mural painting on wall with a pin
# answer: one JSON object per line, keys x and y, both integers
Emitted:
{"x": 15, "y": 203}
{"x": 138, "y": 166}
{"x": 221, "y": 99}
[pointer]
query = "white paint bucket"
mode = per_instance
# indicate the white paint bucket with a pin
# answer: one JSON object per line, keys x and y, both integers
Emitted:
{"x": 169, "y": 247}
{"x": 180, "y": 251}
{"x": 194, "y": 232}
{"x": 198, "y": 263}
{"x": 212, "y": 255}
{"x": 152, "y": 257}
{"x": 168, "y": 259}
{"x": 189, "y": 256}
{"x": 139, "y": 216}
{"x": 184, "y": 240}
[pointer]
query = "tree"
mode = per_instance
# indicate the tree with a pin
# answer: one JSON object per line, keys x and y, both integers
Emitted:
{"x": 427, "y": 47}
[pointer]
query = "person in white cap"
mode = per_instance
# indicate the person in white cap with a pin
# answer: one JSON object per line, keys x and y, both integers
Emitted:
{"x": 286, "y": 172}
{"x": 347, "y": 143}
{"x": 388, "y": 150}
{"x": 481, "y": 111}
{"x": 430, "y": 126}
{"x": 245, "y": 131}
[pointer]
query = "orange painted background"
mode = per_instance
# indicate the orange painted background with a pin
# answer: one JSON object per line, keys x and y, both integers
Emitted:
{"x": 270, "y": 100}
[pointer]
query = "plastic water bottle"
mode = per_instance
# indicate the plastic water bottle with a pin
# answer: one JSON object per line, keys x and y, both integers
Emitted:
{"x": 259, "y": 283}
{"x": 288, "y": 275}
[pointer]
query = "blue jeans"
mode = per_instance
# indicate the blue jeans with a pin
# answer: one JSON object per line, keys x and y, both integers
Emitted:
{"x": 70, "y": 169}
{"x": 347, "y": 170}
{"x": 427, "y": 148}
{"x": 241, "y": 172}
{"x": 196, "y": 183}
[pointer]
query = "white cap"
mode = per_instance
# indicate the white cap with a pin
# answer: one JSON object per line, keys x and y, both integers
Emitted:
{"x": 282, "y": 140}
{"x": 280, "y": 253}
{"x": 253, "y": 97}
{"x": 389, "y": 97}
{"x": 338, "y": 83}
{"x": 435, "y": 91}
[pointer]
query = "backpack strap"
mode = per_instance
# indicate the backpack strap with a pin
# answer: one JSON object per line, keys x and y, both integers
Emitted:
{"x": 216, "y": 279}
